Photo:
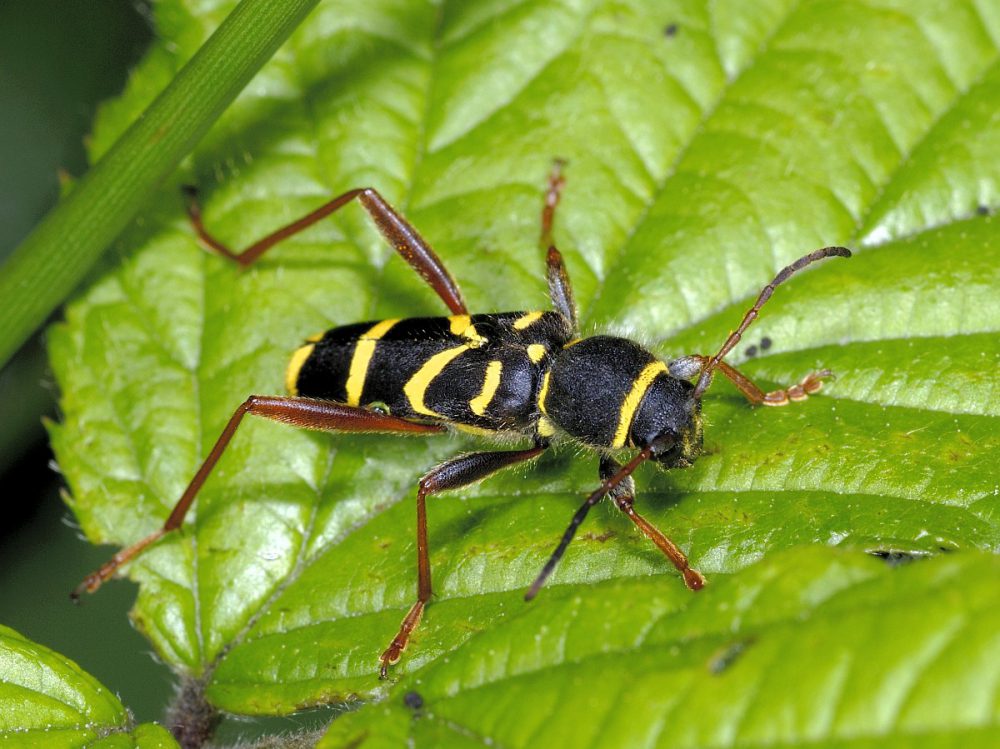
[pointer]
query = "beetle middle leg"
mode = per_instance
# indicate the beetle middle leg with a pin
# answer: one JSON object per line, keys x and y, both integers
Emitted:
{"x": 397, "y": 231}
{"x": 608, "y": 485}
{"x": 453, "y": 474}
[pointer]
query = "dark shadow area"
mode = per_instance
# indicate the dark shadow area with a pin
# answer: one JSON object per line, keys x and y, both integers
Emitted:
{"x": 58, "y": 60}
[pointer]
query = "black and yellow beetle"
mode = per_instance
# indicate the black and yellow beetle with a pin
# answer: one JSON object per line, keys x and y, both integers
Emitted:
{"x": 516, "y": 373}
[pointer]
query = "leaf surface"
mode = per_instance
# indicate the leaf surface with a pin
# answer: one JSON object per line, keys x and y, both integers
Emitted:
{"x": 46, "y": 700}
{"x": 784, "y": 653}
{"x": 707, "y": 146}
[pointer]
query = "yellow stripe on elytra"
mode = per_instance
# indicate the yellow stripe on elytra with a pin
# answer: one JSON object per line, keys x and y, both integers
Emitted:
{"x": 363, "y": 352}
{"x": 295, "y": 366}
{"x": 634, "y": 398}
{"x": 416, "y": 387}
{"x": 461, "y": 325}
{"x": 526, "y": 320}
{"x": 544, "y": 392}
{"x": 490, "y": 384}
{"x": 536, "y": 352}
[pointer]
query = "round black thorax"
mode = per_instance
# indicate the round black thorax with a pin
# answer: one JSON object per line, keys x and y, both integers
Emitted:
{"x": 610, "y": 392}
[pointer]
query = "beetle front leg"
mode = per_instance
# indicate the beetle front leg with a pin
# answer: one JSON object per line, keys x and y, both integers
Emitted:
{"x": 688, "y": 366}
{"x": 623, "y": 495}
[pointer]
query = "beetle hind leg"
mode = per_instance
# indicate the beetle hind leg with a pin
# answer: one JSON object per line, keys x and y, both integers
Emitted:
{"x": 305, "y": 413}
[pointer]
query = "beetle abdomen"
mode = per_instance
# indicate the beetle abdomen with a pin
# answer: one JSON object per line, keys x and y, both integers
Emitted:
{"x": 480, "y": 371}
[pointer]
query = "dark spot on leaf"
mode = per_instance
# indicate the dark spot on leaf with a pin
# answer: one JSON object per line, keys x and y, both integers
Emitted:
{"x": 765, "y": 343}
{"x": 670, "y": 30}
{"x": 983, "y": 210}
{"x": 898, "y": 557}
{"x": 725, "y": 656}
{"x": 413, "y": 700}
{"x": 601, "y": 538}
{"x": 751, "y": 352}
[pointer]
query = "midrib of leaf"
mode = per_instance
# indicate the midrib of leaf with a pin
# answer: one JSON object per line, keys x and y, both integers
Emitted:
{"x": 302, "y": 559}
{"x": 586, "y": 310}
{"x": 200, "y": 428}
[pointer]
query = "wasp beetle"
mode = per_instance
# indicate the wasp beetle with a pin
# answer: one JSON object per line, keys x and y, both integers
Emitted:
{"x": 524, "y": 373}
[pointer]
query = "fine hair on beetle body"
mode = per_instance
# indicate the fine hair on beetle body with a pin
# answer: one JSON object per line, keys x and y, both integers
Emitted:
{"x": 523, "y": 379}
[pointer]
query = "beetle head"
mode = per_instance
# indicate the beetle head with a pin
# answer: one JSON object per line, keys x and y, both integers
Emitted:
{"x": 669, "y": 419}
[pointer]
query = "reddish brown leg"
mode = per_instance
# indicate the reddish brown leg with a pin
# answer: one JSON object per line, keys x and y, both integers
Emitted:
{"x": 397, "y": 231}
{"x": 689, "y": 366}
{"x": 624, "y": 498}
{"x": 607, "y": 486}
{"x": 552, "y": 195}
{"x": 811, "y": 383}
{"x": 560, "y": 290}
{"x": 460, "y": 471}
{"x": 301, "y": 412}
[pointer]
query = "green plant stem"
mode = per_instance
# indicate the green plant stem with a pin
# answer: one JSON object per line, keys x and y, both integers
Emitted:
{"x": 49, "y": 264}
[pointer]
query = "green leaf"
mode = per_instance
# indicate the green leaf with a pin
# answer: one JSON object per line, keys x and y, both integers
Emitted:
{"x": 715, "y": 669}
{"x": 700, "y": 161}
{"x": 46, "y": 700}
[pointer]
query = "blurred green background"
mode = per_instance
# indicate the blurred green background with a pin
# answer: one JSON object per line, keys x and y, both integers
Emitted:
{"x": 58, "y": 60}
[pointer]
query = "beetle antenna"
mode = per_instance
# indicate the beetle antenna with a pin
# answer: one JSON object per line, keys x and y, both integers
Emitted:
{"x": 706, "y": 373}
{"x": 623, "y": 473}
